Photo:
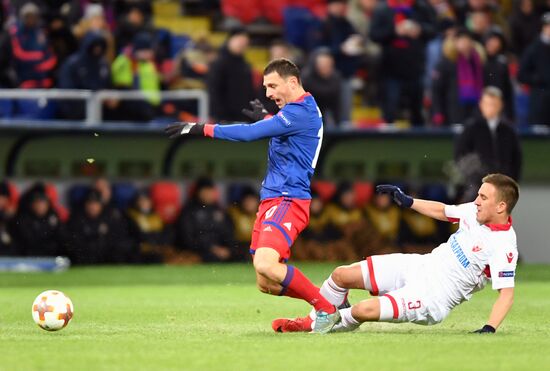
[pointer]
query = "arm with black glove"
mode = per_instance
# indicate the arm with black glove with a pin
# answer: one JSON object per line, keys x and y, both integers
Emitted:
{"x": 433, "y": 209}
{"x": 500, "y": 309}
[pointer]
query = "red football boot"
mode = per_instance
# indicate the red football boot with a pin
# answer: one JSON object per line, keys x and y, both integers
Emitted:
{"x": 300, "y": 324}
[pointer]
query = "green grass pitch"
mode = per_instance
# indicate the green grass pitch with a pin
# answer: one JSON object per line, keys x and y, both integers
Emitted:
{"x": 211, "y": 317}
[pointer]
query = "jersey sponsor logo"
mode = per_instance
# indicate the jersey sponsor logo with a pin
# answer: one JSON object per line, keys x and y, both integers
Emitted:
{"x": 287, "y": 123}
{"x": 476, "y": 249}
{"x": 459, "y": 253}
{"x": 506, "y": 274}
{"x": 510, "y": 257}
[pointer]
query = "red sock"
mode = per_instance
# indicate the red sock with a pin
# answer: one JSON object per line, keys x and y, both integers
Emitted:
{"x": 296, "y": 285}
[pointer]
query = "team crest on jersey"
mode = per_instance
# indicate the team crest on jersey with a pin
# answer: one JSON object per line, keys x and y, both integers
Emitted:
{"x": 506, "y": 274}
{"x": 287, "y": 123}
{"x": 476, "y": 249}
{"x": 510, "y": 257}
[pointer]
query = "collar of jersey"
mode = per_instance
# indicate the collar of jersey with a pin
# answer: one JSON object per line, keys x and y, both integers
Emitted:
{"x": 500, "y": 227}
{"x": 302, "y": 97}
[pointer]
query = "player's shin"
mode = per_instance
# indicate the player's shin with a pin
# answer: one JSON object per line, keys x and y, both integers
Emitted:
{"x": 297, "y": 285}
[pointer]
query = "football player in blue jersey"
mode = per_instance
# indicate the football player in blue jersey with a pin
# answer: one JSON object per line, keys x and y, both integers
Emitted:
{"x": 296, "y": 134}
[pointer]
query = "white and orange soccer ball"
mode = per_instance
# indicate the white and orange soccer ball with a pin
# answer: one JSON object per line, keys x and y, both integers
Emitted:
{"x": 52, "y": 310}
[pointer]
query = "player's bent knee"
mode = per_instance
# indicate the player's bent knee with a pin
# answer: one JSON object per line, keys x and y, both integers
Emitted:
{"x": 344, "y": 277}
{"x": 367, "y": 310}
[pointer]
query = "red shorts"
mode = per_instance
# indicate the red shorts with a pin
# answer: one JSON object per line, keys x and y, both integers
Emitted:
{"x": 278, "y": 222}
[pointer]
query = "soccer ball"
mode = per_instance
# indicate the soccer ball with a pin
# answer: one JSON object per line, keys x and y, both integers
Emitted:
{"x": 52, "y": 310}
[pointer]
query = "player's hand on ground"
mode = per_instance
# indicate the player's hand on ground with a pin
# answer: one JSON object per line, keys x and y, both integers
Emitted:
{"x": 487, "y": 329}
{"x": 183, "y": 128}
{"x": 396, "y": 193}
{"x": 258, "y": 111}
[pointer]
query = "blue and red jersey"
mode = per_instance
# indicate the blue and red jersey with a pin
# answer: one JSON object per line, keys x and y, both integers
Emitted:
{"x": 296, "y": 134}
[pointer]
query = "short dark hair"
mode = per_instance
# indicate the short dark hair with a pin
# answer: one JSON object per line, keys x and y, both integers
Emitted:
{"x": 283, "y": 67}
{"x": 507, "y": 188}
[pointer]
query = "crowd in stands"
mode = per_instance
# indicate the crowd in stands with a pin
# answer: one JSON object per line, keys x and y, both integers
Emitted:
{"x": 121, "y": 223}
{"x": 425, "y": 61}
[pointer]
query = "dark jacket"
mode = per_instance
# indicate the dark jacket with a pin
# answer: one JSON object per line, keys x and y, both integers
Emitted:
{"x": 534, "y": 71}
{"x": 230, "y": 86}
{"x": 336, "y": 30}
{"x": 498, "y": 153}
{"x": 88, "y": 239}
{"x": 200, "y": 227}
{"x": 496, "y": 73}
{"x": 37, "y": 236}
{"x": 524, "y": 29}
{"x": 325, "y": 90}
{"x": 84, "y": 70}
{"x": 402, "y": 60}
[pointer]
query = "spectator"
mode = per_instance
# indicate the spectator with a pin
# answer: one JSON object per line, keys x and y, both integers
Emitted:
{"x": 534, "y": 72}
{"x": 525, "y": 24}
{"x": 132, "y": 22}
{"x": 458, "y": 80}
{"x": 341, "y": 212}
{"x": 324, "y": 82}
{"x": 36, "y": 227}
{"x": 86, "y": 69}
{"x": 60, "y": 37}
{"x": 7, "y": 243}
{"x": 135, "y": 69}
{"x": 480, "y": 24}
{"x": 385, "y": 217}
{"x": 147, "y": 228}
{"x": 488, "y": 144}
{"x": 402, "y": 27}
{"x": 434, "y": 52}
{"x": 229, "y": 81}
{"x": 203, "y": 227}
{"x": 346, "y": 46}
{"x": 94, "y": 20}
{"x": 243, "y": 216}
{"x": 496, "y": 72}
{"x": 89, "y": 233}
{"x": 192, "y": 65}
{"x": 33, "y": 59}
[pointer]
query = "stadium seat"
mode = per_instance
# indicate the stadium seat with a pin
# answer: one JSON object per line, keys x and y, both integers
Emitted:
{"x": 53, "y": 196}
{"x": 324, "y": 188}
{"x": 363, "y": 192}
{"x": 35, "y": 109}
{"x": 6, "y": 108}
{"x": 123, "y": 194}
{"x": 14, "y": 196}
{"x": 166, "y": 197}
{"x": 245, "y": 11}
{"x": 76, "y": 195}
{"x": 434, "y": 192}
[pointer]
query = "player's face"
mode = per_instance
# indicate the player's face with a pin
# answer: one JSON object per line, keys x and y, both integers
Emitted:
{"x": 278, "y": 89}
{"x": 489, "y": 206}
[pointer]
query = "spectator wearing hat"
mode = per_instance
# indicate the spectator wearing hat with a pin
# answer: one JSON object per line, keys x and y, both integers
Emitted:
{"x": 87, "y": 69}
{"x": 496, "y": 71}
{"x": 95, "y": 20}
{"x": 36, "y": 227}
{"x": 33, "y": 60}
{"x": 534, "y": 71}
{"x": 458, "y": 79}
{"x": 229, "y": 81}
{"x": 7, "y": 243}
{"x": 203, "y": 227}
{"x": 488, "y": 144}
{"x": 402, "y": 27}
{"x": 135, "y": 69}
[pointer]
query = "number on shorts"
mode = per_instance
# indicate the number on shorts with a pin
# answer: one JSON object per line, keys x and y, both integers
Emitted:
{"x": 416, "y": 305}
{"x": 269, "y": 213}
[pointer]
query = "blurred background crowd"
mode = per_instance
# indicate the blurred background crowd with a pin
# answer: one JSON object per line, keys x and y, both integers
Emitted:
{"x": 163, "y": 222}
{"x": 367, "y": 62}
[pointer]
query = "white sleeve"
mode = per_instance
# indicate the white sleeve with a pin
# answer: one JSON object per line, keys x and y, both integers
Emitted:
{"x": 503, "y": 267}
{"x": 456, "y": 212}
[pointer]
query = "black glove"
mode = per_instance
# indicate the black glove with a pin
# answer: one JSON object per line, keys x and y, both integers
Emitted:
{"x": 397, "y": 194}
{"x": 258, "y": 111}
{"x": 184, "y": 128}
{"x": 487, "y": 329}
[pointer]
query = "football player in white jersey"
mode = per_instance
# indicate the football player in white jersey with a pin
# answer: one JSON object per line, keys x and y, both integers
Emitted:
{"x": 423, "y": 289}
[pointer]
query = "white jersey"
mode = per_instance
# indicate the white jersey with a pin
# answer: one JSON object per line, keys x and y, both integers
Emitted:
{"x": 473, "y": 256}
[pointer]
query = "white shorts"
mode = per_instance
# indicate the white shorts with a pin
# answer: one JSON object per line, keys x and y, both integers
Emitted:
{"x": 403, "y": 285}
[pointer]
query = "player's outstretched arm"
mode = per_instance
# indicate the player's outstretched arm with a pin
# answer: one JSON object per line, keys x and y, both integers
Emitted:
{"x": 432, "y": 209}
{"x": 500, "y": 310}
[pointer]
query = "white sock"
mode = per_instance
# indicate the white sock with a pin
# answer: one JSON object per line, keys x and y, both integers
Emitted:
{"x": 348, "y": 323}
{"x": 332, "y": 292}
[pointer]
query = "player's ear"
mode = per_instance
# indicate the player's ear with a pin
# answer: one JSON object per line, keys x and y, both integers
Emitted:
{"x": 501, "y": 207}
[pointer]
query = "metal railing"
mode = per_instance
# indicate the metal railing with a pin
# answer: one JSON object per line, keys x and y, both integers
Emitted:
{"x": 94, "y": 99}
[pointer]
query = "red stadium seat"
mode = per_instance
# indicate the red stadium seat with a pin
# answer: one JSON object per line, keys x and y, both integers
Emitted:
{"x": 53, "y": 196}
{"x": 324, "y": 188}
{"x": 14, "y": 196}
{"x": 244, "y": 10}
{"x": 166, "y": 197}
{"x": 363, "y": 192}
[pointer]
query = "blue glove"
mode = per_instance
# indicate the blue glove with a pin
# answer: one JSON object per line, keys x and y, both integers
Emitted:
{"x": 487, "y": 329}
{"x": 397, "y": 194}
